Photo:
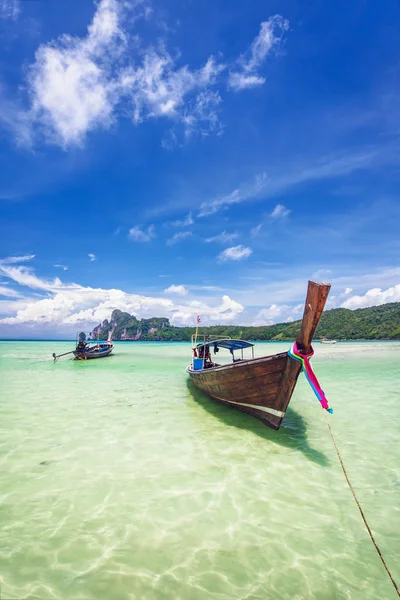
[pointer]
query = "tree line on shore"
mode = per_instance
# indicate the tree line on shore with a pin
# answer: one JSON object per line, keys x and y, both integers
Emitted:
{"x": 372, "y": 323}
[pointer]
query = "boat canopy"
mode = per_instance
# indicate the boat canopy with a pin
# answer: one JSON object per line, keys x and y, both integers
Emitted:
{"x": 227, "y": 343}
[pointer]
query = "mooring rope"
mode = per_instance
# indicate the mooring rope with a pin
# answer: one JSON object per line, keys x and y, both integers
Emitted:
{"x": 361, "y": 511}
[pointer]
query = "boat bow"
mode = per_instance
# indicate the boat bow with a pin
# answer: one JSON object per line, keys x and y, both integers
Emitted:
{"x": 263, "y": 386}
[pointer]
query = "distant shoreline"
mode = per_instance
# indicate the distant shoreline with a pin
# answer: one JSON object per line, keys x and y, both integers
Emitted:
{"x": 259, "y": 341}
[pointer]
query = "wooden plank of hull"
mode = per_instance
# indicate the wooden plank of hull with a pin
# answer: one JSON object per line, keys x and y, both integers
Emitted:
{"x": 92, "y": 355}
{"x": 264, "y": 386}
{"x": 251, "y": 386}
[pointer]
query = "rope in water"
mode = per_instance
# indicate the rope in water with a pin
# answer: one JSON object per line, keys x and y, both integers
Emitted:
{"x": 304, "y": 359}
{"x": 371, "y": 535}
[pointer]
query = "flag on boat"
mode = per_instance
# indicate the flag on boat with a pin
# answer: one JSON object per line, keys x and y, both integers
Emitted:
{"x": 198, "y": 320}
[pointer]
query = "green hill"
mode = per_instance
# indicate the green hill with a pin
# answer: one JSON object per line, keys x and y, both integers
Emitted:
{"x": 372, "y": 323}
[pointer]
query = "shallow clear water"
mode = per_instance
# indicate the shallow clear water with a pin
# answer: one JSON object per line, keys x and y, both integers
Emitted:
{"x": 120, "y": 481}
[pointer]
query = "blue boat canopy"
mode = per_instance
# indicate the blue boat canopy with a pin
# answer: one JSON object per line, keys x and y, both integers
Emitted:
{"x": 228, "y": 344}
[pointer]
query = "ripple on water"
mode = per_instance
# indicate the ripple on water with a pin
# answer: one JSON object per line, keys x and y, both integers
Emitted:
{"x": 119, "y": 480}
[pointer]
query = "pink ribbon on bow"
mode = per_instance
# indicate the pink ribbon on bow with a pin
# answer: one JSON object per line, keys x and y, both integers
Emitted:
{"x": 310, "y": 375}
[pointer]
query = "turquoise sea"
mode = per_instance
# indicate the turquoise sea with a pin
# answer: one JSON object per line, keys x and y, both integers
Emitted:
{"x": 120, "y": 481}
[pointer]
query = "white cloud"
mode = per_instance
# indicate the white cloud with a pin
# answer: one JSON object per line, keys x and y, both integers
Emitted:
{"x": 186, "y": 222}
{"x": 246, "y": 192}
{"x": 222, "y": 238}
{"x": 16, "y": 259}
{"x": 270, "y": 36}
{"x": 5, "y": 291}
{"x": 139, "y": 235}
{"x": 226, "y": 312}
{"x": 256, "y": 230}
{"x": 373, "y": 297}
{"x": 71, "y": 83}
{"x": 279, "y": 212}
{"x": 235, "y": 253}
{"x": 348, "y": 290}
{"x": 178, "y": 237}
{"x": 202, "y": 115}
{"x": 80, "y": 84}
{"x": 73, "y": 305}
{"x": 92, "y": 257}
{"x": 264, "y": 186}
{"x": 25, "y": 276}
{"x": 9, "y": 9}
{"x": 278, "y": 313}
{"x": 158, "y": 89}
{"x": 63, "y": 267}
{"x": 322, "y": 275}
{"x": 180, "y": 290}
{"x": 240, "y": 81}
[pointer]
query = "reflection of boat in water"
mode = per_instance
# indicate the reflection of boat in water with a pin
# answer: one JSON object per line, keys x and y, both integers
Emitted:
{"x": 327, "y": 341}
{"x": 86, "y": 350}
{"x": 259, "y": 386}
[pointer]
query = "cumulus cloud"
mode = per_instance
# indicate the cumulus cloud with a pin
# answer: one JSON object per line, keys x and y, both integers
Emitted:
{"x": 270, "y": 37}
{"x": 139, "y": 235}
{"x": 373, "y": 297}
{"x": 226, "y": 312}
{"x": 222, "y": 238}
{"x": 279, "y": 212}
{"x": 79, "y": 84}
{"x": 72, "y": 305}
{"x": 92, "y": 257}
{"x": 178, "y": 237}
{"x": 71, "y": 82}
{"x": 235, "y": 253}
{"x": 278, "y": 313}
{"x": 180, "y": 290}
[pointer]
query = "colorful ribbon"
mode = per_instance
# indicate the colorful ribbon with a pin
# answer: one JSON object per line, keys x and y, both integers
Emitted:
{"x": 310, "y": 375}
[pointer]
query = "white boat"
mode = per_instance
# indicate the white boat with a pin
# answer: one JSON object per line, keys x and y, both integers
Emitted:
{"x": 327, "y": 341}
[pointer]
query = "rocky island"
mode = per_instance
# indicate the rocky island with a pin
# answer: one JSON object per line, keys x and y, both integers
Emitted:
{"x": 372, "y": 323}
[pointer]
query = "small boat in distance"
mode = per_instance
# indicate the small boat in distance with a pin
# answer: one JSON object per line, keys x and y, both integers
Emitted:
{"x": 327, "y": 341}
{"x": 87, "y": 350}
{"x": 262, "y": 386}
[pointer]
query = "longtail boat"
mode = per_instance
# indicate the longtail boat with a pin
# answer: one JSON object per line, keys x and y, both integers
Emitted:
{"x": 261, "y": 386}
{"x": 87, "y": 350}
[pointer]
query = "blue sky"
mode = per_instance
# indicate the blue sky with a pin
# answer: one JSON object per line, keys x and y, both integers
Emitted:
{"x": 171, "y": 159}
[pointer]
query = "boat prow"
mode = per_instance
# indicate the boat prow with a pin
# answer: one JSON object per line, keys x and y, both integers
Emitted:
{"x": 261, "y": 386}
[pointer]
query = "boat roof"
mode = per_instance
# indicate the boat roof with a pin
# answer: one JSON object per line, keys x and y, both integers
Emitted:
{"x": 228, "y": 344}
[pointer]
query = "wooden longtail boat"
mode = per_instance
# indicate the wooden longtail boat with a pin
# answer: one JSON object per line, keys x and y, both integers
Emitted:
{"x": 259, "y": 386}
{"x": 86, "y": 350}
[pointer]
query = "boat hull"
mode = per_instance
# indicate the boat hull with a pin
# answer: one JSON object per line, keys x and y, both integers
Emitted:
{"x": 264, "y": 386}
{"x": 91, "y": 355}
{"x": 261, "y": 387}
